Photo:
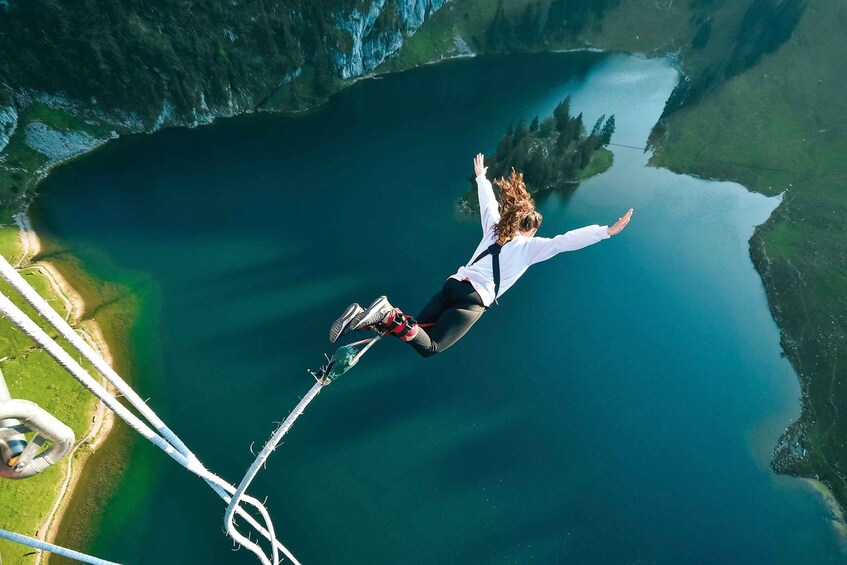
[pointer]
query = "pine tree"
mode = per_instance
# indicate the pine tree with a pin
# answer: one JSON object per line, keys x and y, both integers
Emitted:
{"x": 562, "y": 113}
{"x": 324, "y": 78}
{"x": 520, "y": 155}
{"x": 586, "y": 150}
{"x": 570, "y": 132}
{"x": 500, "y": 32}
{"x": 504, "y": 148}
{"x": 528, "y": 27}
{"x": 533, "y": 126}
{"x": 521, "y": 130}
{"x": 563, "y": 141}
{"x": 607, "y": 131}
{"x": 579, "y": 126}
{"x": 547, "y": 128}
{"x": 536, "y": 169}
{"x": 595, "y": 131}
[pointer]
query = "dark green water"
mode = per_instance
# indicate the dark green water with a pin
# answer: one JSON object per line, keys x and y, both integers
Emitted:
{"x": 619, "y": 406}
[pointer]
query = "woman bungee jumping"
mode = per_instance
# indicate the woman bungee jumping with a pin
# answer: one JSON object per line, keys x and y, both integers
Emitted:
{"x": 508, "y": 238}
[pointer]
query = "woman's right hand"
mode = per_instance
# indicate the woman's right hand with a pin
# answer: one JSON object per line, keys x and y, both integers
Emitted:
{"x": 620, "y": 224}
{"x": 478, "y": 165}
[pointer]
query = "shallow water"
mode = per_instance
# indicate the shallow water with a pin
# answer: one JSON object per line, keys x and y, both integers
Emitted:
{"x": 619, "y": 405}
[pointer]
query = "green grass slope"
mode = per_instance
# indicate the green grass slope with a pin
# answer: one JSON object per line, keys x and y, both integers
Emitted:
{"x": 780, "y": 126}
{"x": 31, "y": 374}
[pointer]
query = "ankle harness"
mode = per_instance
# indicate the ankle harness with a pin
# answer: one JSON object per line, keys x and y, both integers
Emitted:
{"x": 400, "y": 324}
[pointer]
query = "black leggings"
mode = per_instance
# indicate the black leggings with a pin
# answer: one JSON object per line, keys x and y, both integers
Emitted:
{"x": 453, "y": 310}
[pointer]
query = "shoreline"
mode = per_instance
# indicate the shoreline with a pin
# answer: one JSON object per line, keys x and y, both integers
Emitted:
{"x": 102, "y": 420}
{"x": 837, "y": 521}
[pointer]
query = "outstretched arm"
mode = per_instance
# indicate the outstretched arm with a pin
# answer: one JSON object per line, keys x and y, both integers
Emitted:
{"x": 489, "y": 210}
{"x": 543, "y": 248}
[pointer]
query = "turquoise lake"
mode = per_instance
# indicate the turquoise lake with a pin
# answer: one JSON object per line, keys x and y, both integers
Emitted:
{"x": 620, "y": 405}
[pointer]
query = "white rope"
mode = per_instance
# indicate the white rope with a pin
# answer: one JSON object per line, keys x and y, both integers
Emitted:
{"x": 269, "y": 447}
{"x": 323, "y": 379}
{"x": 183, "y": 455}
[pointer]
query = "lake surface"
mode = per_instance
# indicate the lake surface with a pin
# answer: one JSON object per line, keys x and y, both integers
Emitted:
{"x": 620, "y": 405}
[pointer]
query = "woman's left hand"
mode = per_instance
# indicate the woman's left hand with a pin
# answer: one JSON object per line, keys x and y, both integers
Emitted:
{"x": 619, "y": 225}
{"x": 479, "y": 167}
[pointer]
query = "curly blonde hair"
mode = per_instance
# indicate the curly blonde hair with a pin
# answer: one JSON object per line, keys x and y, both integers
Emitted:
{"x": 517, "y": 208}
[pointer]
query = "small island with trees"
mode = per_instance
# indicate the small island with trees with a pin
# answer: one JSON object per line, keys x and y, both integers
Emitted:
{"x": 554, "y": 154}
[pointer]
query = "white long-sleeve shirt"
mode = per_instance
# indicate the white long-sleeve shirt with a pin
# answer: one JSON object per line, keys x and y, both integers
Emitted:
{"x": 519, "y": 253}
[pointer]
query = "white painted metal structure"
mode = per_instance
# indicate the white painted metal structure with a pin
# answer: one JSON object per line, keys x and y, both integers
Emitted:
{"x": 12, "y": 440}
{"x": 32, "y": 417}
{"x": 160, "y": 435}
{"x": 57, "y": 549}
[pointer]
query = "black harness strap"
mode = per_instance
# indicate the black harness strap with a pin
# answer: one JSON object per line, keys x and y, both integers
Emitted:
{"x": 493, "y": 250}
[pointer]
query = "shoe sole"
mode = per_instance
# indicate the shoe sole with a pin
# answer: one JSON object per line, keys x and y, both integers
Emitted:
{"x": 370, "y": 314}
{"x": 343, "y": 321}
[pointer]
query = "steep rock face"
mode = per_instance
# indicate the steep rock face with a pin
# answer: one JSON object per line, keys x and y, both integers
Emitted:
{"x": 415, "y": 12}
{"x": 372, "y": 43}
{"x": 8, "y": 123}
{"x": 360, "y": 26}
{"x": 205, "y": 113}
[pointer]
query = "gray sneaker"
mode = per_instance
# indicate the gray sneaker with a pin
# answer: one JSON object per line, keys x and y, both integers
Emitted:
{"x": 373, "y": 314}
{"x": 342, "y": 325}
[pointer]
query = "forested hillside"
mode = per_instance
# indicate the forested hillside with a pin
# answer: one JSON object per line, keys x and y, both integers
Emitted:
{"x": 133, "y": 56}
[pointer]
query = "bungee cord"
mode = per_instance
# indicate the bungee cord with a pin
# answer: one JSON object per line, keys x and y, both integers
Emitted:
{"x": 343, "y": 360}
